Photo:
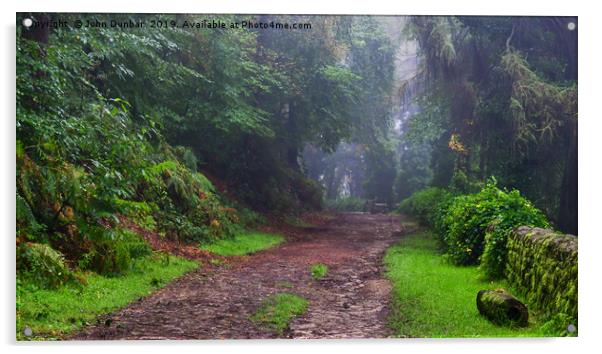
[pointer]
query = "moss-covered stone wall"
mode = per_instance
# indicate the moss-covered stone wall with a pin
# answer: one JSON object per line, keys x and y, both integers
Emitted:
{"x": 543, "y": 264}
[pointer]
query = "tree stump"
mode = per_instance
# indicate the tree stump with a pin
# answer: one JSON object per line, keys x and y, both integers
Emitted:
{"x": 501, "y": 308}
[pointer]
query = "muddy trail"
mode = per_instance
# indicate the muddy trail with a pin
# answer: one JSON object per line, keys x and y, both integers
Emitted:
{"x": 350, "y": 302}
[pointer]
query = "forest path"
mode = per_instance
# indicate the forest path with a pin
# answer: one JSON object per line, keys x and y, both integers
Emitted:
{"x": 349, "y": 302}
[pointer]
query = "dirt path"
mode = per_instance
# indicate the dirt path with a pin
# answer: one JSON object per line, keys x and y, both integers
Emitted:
{"x": 350, "y": 302}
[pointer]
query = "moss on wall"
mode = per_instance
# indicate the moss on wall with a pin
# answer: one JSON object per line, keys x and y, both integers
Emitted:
{"x": 543, "y": 264}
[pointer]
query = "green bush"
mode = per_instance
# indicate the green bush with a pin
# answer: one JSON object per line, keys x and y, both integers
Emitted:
{"x": 492, "y": 211}
{"x": 461, "y": 183}
{"x": 425, "y": 205}
{"x": 42, "y": 265}
{"x": 139, "y": 212}
{"x": 346, "y": 204}
{"x": 188, "y": 206}
{"x": 112, "y": 253}
{"x": 110, "y": 258}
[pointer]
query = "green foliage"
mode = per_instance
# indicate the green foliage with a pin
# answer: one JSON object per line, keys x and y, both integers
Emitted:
{"x": 426, "y": 205}
{"x": 494, "y": 257}
{"x": 243, "y": 243}
{"x": 558, "y": 326}
{"x": 52, "y": 314}
{"x": 42, "y": 266}
{"x": 318, "y": 271}
{"x": 189, "y": 206}
{"x": 468, "y": 218}
{"x": 461, "y": 183}
{"x": 165, "y": 106}
{"x": 187, "y": 157}
{"x": 414, "y": 171}
{"x": 380, "y": 172}
{"x": 277, "y": 311}
{"x": 346, "y": 204}
{"x": 433, "y": 298}
{"x": 474, "y": 227}
{"x": 497, "y": 96}
{"x": 114, "y": 252}
{"x": 139, "y": 212}
{"x": 539, "y": 108}
{"x": 108, "y": 257}
{"x": 544, "y": 265}
{"x": 365, "y": 164}
{"x": 249, "y": 218}
{"x": 26, "y": 221}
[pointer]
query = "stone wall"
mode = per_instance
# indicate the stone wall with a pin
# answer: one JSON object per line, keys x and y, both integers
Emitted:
{"x": 543, "y": 264}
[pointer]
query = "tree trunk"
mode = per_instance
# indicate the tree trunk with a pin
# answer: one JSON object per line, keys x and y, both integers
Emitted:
{"x": 502, "y": 308}
{"x": 567, "y": 210}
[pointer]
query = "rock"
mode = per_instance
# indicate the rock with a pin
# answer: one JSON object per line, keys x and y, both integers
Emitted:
{"x": 501, "y": 308}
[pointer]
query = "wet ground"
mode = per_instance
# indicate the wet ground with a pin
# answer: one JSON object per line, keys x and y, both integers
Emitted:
{"x": 351, "y": 301}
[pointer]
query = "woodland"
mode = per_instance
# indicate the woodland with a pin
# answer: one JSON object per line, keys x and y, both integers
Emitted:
{"x": 148, "y": 154}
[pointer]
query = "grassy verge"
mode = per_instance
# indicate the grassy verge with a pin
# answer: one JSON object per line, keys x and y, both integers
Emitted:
{"x": 277, "y": 311}
{"x": 52, "y": 314}
{"x": 243, "y": 244}
{"x": 433, "y": 298}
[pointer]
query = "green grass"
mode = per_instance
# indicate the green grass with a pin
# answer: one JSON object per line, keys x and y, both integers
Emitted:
{"x": 319, "y": 270}
{"x": 277, "y": 311}
{"x": 243, "y": 244}
{"x": 433, "y": 298}
{"x": 51, "y": 314}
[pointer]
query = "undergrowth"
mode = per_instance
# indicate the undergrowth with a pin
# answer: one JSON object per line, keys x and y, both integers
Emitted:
{"x": 54, "y": 313}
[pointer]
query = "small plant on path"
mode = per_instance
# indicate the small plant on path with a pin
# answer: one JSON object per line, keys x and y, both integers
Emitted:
{"x": 277, "y": 311}
{"x": 319, "y": 270}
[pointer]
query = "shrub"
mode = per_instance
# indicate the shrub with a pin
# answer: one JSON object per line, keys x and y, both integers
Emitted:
{"x": 109, "y": 258}
{"x": 112, "y": 253}
{"x": 187, "y": 156}
{"x": 42, "y": 265}
{"x": 188, "y": 205}
{"x": 493, "y": 212}
{"x": 461, "y": 183}
{"x": 138, "y": 212}
{"x": 26, "y": 221}
{"x": 425, "y": 205}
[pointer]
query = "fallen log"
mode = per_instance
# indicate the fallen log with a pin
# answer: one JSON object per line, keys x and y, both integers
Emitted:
{"x": 501, "y": 308}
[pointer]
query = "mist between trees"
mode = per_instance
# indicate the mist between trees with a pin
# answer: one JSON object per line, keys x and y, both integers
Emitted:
{"x": 195, "y": 131}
